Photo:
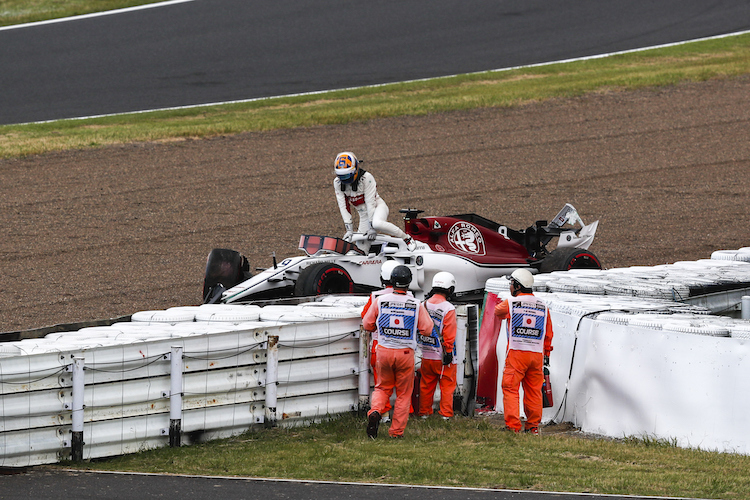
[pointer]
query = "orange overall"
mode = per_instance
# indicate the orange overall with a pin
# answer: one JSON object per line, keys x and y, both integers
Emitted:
{"x": 397, "y": 318}
{"x": 374, "y": 345}
{"x": 525, "y": 358}
{"x": 433, "y": 371}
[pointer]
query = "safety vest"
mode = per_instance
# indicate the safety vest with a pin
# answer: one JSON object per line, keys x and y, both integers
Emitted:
{"x": 432, "y": 347}
{"x": 373, "y": 299}
{"x": 527, "y": 324}
{"x": 398, "y": 315}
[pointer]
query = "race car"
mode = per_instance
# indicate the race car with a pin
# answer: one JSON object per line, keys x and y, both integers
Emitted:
{"x": 469, "y": 246}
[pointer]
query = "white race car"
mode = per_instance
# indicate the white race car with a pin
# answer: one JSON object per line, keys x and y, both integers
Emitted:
{"x": 469, "y": 246}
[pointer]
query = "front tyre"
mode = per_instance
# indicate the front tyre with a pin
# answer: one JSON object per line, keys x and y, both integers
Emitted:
{"x": 323, "y": 278}
{"x": 223, "y": 267}
{"x": 565, "y": 259}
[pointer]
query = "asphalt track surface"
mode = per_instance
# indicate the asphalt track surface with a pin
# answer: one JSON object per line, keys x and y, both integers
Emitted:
{"x": 42, "y": 483}
{"x": 204, "y": 51}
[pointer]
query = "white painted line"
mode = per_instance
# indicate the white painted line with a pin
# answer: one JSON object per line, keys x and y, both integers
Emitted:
{"x": 385, "y": 485}
{"x": 93, "y": 14}
{"x": 318, "y": 92}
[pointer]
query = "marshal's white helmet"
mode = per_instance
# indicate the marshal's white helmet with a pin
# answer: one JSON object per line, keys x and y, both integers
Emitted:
{"x": 444, "y": 280}
{"x": 523, "y": 277}
{"x": 385, "y": 270}
{"x": 345, "y": 167}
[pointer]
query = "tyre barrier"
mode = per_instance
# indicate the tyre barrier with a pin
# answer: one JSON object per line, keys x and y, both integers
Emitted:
{"x": 643, "y": 351}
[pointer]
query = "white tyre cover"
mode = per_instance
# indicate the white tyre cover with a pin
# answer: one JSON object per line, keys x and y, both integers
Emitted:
{"x": 227, "y": 313}
{"x": 343, "y": 300}
{"x": 649, "y": 322}
{"x": 9, "y": 349}
{"x": 98, "y": 332}
{"x": 614, "y": 317}
{"x": 288, "y": 314}
{"x": 686, "y": 327}
{"x": 740, "y": 331}
{"x": 162, "y": 316}
{"x": 325, "y": 311}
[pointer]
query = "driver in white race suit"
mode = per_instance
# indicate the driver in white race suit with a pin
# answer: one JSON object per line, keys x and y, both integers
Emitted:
{"x": 356, "y": 188}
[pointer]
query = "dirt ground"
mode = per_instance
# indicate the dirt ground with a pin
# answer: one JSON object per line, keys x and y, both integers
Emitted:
{"x": 108, "y": 232}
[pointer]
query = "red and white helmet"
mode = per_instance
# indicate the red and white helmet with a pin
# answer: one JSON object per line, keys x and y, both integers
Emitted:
{"x": 345, "y": 167}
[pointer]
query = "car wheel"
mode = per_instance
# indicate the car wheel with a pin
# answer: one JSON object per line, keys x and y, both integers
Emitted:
{"x": 223, "y": 267}
{"x": 323, "y": 278}
{"x": 565, "y": 259}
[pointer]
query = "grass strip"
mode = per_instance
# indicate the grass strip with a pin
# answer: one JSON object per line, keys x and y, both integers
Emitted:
{"x": 29, "y": 11}
{"x": 465, "y": 452}
{"x": 693, "y": 62}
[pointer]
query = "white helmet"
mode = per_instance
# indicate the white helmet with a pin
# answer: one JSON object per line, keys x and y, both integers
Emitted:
{"x": 345, "y": 167}
{"x": 385, "y": 270}
{"x": 523, "y": 277}
{"x": 444, "y": 280}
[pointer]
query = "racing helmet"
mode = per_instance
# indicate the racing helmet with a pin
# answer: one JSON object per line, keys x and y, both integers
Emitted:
{"x": 386, "y": 269}
{"x": 523, "y": 277}
{"x": 345, "y": 167}
{"x": 444, "y": 280}
{"x": 401, "y": 276}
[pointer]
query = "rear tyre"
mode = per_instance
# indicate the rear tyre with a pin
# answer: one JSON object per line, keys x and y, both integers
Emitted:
{"x": 223, "y": 267}
{"x": 323, "y": 278}
{"x": 565, "y": 259}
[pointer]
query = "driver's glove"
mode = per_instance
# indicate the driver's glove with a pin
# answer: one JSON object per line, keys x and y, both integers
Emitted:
{"x": 349, "y": 232}
{"x": 371, "y": 234}
{"x": 546, "y": 360}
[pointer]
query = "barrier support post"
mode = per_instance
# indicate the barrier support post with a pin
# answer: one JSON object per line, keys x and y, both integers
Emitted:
{"x": 175, "y": 397}
{"x": 272, "y": 378}
{"x": 76, "y": 452}
{"x": 364, "y": 372}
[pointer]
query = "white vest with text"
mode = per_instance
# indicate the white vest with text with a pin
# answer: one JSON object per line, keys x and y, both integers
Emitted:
{"x": 527, "y": 324}
{"x": 398, "y": 315}
{"x": 432, "y": 346}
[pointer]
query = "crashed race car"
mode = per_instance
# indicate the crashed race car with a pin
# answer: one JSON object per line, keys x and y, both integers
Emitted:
{"x": 469, "y": 246}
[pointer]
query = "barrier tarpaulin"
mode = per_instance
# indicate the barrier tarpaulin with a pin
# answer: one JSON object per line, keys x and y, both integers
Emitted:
{"x": 487, "y": 371}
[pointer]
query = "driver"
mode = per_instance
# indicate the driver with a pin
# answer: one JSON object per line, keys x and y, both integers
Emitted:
{"x": 356, "y": 188}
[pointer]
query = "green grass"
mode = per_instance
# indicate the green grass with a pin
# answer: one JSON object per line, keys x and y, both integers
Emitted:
{"x": 694, "y": 62}
{"x": 468, "y": 452}
{"x": 29, "y": 11}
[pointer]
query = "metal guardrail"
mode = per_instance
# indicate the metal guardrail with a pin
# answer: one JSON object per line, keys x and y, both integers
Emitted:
{"x": 125, "y": 400}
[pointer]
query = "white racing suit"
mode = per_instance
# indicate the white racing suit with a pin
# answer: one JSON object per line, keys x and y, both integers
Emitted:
{"x": 363, "y": 196}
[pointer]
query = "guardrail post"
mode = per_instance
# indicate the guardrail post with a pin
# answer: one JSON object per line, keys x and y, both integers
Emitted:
{"x": 746, "y": 307}
{"x": 175, "y": 397}
{"x": 364, "y": 372}
{"x": 76, "y": 452}
{"x": 462, "y": 326}
{"x": 272, "y": 378}
{"x": 470, "y": 360}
